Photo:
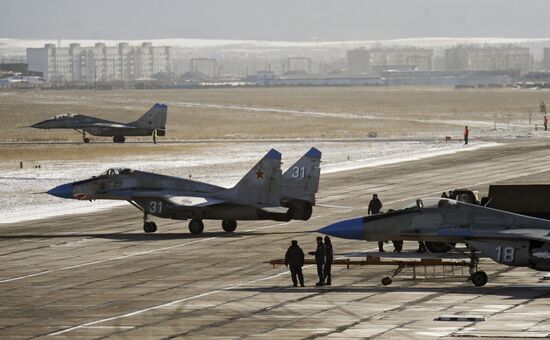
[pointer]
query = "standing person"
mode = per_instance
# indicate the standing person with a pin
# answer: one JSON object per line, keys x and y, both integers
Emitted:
{"x": 466, "y": 134}
{"x": 294, "y": 259}
{"x": 421, "y": 247}
{"x": 154, "y": 135}
{"x": 329, "y": 258}
{"x": 319, "y": 259}
{"x": 375, "y": 205}
{"x": 397, "y": 246}
{"x": 542, "y": 107}
{"x": 545, "y": 123}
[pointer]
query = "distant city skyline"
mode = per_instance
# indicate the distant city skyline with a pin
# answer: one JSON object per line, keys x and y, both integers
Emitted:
{"x": 281, "y": 20}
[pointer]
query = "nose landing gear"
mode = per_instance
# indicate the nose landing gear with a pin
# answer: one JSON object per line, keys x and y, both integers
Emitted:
{"x": 148, "y": 226}
{"x": 478, "y": 277}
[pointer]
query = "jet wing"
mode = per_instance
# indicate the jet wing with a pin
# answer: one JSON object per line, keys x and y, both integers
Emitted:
{"x": 174, "y": 198}
{"x": 110, "y": 125}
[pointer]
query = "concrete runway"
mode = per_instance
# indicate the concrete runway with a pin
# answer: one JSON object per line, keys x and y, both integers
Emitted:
{"x": 98, "y": 275}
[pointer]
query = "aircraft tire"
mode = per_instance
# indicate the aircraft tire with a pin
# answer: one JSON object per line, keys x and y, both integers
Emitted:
{"x": 229, "y": 226}
{"x": 119, "y": 139}
{"x": 149, "y": 227}
{"x": 386, "y": 281}
{"x": 479, "y": 279}
{"x": 439, "y": 247}
{"x": 86, "y": 140}
{"x": 302, "y": 211}
{"x": 196, "y": 226}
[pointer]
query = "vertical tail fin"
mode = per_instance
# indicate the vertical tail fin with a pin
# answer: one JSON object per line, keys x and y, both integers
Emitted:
{"x": 262, "y": 184}
{"x": 155, "y": 118}
{"x": 301, "y": 180}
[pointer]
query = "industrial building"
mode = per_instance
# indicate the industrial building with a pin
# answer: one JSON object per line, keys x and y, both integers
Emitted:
{"x": 376, "y": 60}
{"x": 488, "y": 58}
{"x": 99, "y": 63}
{"x": 546, "y": 58}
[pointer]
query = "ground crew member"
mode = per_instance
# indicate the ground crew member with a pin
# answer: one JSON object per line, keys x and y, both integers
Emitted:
{"x": 154, "y": 135}
{"x": 329, "y": 259}
{"x": 319, "y": 259}
{"x": 294, "y": 259}
{"x": 545, "y": 123}
{"x": 397, "y": 246}
{"x": 421, "y": 247}
{"x": 466, "y": 135}
{"x": 542, "y": 107}
{"x": 375, "y": 205}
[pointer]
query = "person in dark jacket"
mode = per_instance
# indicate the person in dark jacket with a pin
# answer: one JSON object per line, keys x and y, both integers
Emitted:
{"x": 294, "y": 259}
{"x": 329, "y": 258}
{"x": 319, "y": 259}
{"x": 375, "y": 205}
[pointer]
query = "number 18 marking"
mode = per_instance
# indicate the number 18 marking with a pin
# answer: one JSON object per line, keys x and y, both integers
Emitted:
{"x": 505, "y": 254}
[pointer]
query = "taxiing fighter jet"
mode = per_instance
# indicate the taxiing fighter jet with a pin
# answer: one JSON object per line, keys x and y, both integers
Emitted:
{"x": 262, "y": 194}
{"x": 153, "y": 119}
{"x": 507, "y": 238}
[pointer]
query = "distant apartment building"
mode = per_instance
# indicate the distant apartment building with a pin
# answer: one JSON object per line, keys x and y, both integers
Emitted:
{"x": 375, "y": 60}
{"x": 488, "y": 58}
{"x": 100, "y": 62}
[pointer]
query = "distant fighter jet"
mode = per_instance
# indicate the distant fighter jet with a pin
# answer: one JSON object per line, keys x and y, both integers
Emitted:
{"x": 262, "y": 194}
{"x": 155, "y": 118}
{"x": 507, "y": 238}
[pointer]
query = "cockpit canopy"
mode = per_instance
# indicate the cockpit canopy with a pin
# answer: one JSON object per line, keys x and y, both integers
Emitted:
{"x": 432, "y": 203}
{"x": 65, "y": 115}
{"x": 117, "y": 171}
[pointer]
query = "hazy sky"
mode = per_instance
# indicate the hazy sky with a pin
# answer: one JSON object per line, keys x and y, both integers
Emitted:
{"x": 292, "y": 20}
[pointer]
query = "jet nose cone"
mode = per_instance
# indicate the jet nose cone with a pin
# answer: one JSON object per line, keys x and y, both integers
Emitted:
{"x": 38, "y": 125}
{"x": 351, "y": 229}
{"x": 62, "y": 191}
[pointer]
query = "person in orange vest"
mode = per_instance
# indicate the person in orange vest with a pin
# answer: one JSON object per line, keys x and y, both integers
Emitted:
{"x": 466, "y": 134}
{"x": 545, "y": 123}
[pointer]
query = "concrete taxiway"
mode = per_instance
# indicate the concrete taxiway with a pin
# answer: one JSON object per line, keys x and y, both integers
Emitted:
{"x": 97, "y": 275}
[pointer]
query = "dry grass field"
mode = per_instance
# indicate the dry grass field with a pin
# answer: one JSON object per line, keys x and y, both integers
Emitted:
{"x": 242, "y": 113}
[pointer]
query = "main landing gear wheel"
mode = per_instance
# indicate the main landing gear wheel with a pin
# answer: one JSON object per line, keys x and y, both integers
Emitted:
{"x": 479, "y": 278}
{"x": 86, "y": 140}
{"x": 386, "y": 281}
{"x": 119, "y": 139}
{"x": 149, "y": 227}
{"x": 229, "y": 226}
{"x": 196, "y": 226}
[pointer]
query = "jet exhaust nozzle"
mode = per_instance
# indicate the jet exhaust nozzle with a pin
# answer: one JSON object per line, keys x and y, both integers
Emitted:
{"x": 350, "y": 229}
{"x": 62, "y": 191}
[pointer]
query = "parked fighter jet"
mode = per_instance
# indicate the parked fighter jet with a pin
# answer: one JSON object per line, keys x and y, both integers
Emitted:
{"x": 155, "y": 118}
{"x": 262, "y": 194}
{"x": 507, "y": 238}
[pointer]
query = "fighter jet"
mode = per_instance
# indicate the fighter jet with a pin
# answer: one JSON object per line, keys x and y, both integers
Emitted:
{"x": 155, "y": 118}
{"x": 505, "y": 237}
{"x": 262, "y": 194}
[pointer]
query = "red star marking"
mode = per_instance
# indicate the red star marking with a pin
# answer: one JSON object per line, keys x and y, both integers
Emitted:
{"x": 259, "y": 174}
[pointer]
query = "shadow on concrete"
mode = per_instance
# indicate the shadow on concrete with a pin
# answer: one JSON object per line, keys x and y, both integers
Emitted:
{"x": 143, "y": 236}
{"x": 520, "y": 292}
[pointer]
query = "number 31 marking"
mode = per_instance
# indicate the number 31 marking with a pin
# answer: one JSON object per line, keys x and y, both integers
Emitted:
{"x": 155, "y": 207}
{"x": 298, "y": 172}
